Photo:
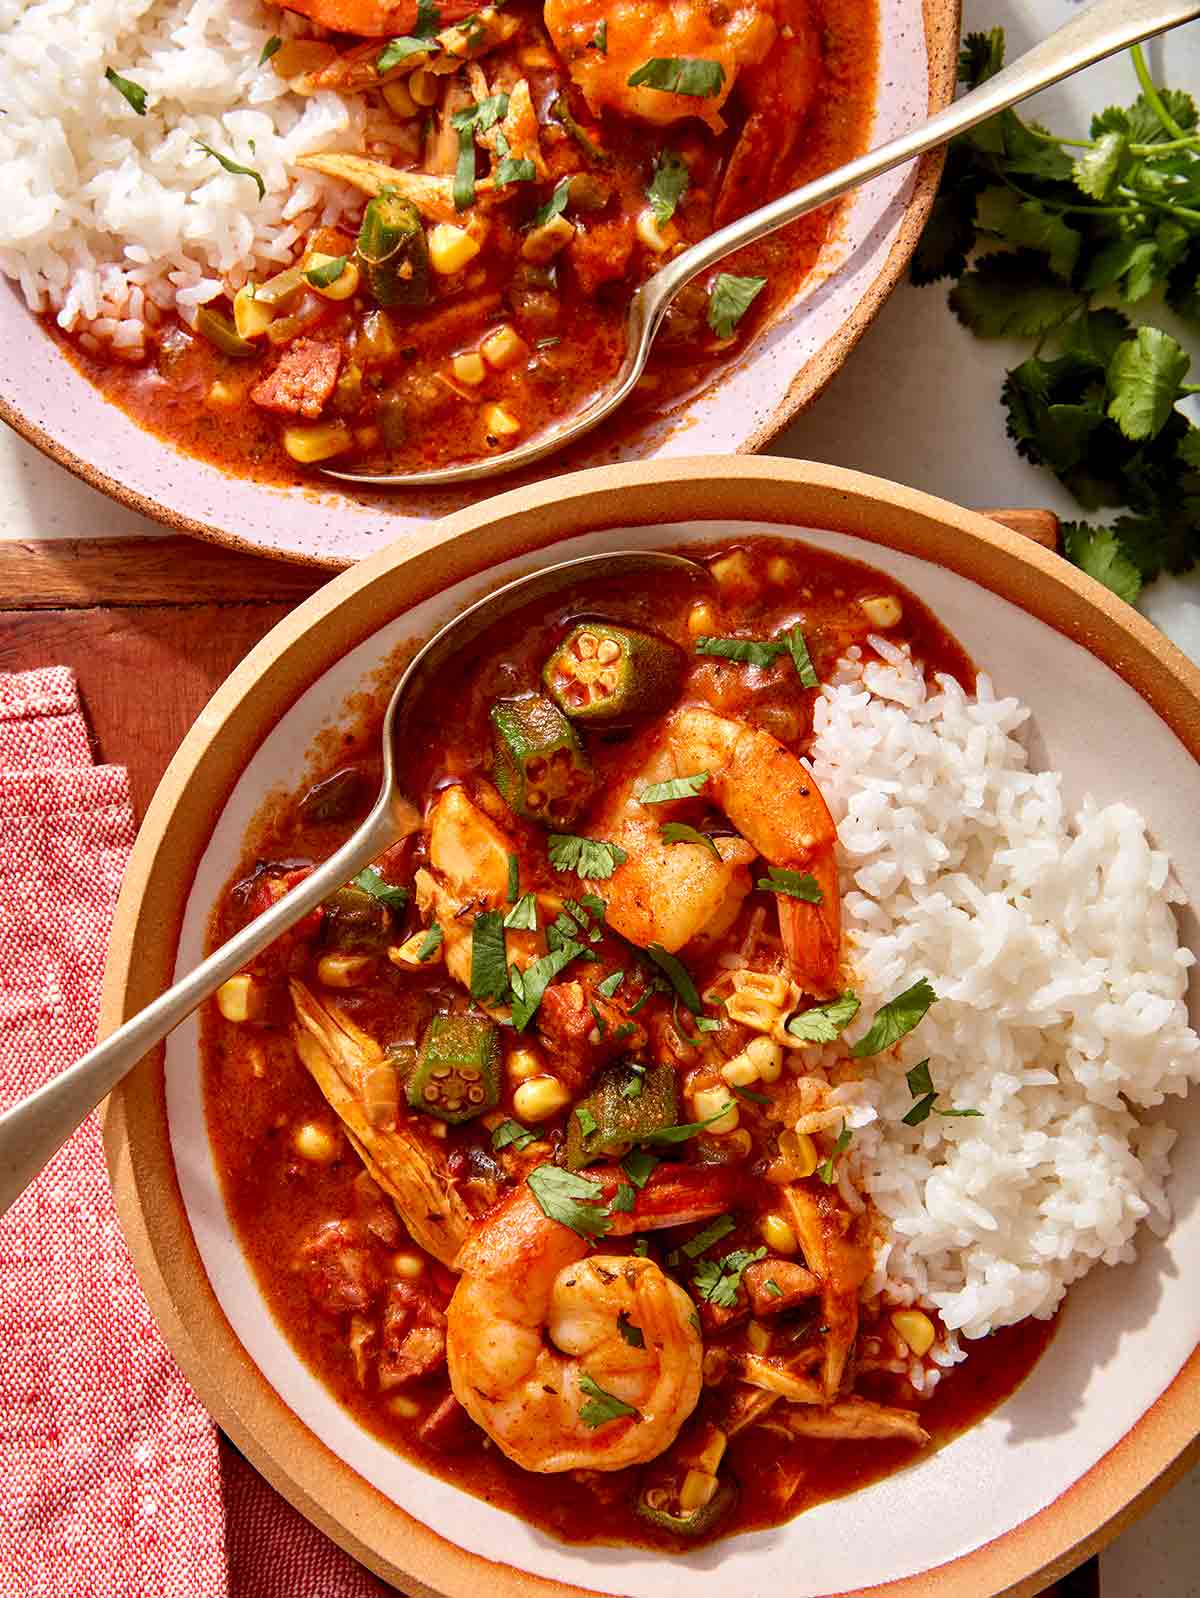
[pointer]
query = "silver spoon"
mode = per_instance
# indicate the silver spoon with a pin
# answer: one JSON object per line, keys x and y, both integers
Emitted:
{"x": 32, "y": 1131}
{"x": 1101, "y": 30}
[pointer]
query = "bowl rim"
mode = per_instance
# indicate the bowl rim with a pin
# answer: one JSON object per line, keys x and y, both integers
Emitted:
{"x": 196, "y": 787}
{"x": 942, "y": 21}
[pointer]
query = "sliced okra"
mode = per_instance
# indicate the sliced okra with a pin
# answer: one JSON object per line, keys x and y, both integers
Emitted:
{"x": 457, "y": 1074}
{"x": 601, "y": 672}
{"x": 540, "y": 766}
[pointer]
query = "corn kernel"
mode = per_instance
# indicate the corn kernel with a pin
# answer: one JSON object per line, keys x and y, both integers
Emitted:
{"x": 656, "y": 239}
{"x": 499, "y": 423}
{"x": 739, "y": 1142}
{"x": 469, "y": 369}
{"x": 697, "y": 1490}
{"x": 540, "y": 1098}
{"x": 707, "y": 1102}
{"x": 917, "y": 1330}
{"x": 450, "y": 248}
{"x": 704, "y": 1449}
{"x": 740, "y": 1071}
{"x": 423, "y": 87}
{"x": 758, "y": 1336}
{"x": 343, "y": 285}
{"x": 404, "y": 1407}
{"x": 408, "y": 1266}
{"x": 241, "y": 998}
{"x": 521, "y": 1064}
{"x": 778, "y": 1234}
{"x": 543, "y": 243}
{"x": 318, "y": 442}
{"x": 733, "y": 572}
{"x": 766, "y": 1057}
{"x": 398, "y": 99}
{"x": 800, "y": 1152}
{"x": 780, "y": 571}
{"x": 317, "y": 1143}
{"x": 345, "y": 970}
{"x": 223, "y": 396}
{"x": 295, "y": 57}
{"x": 701, "y": 620}
{"x": 250, "y": 316}
{"x": 503, "y": 348}
{"x": 882, "y": 610}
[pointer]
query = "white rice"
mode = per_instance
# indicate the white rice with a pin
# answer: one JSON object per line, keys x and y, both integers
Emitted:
{"x": 109, "y": 218}
{"x": 1051, "y": 943}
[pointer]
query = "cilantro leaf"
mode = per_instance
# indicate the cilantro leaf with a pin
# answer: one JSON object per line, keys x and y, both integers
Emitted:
{"x": 623, "y": 1199}
{"x": 1095, "y": 171}
{"x": 825, "y": 1170}
{"x": 511, "y": 1134}
{"x": 1144, "y": 377}
{"x": 530, "y": 984}
{"x": 1028, "y": 224}
{"x": 431, "y": 943}
{"x": 322, "y": 276}
{"x": 919, "y": 1080}
{"x": 677, "y": 974}
{"x": 685, "y": 1130}
{"x": 731, "y": 297}
{"x": 610, "y": 984}
{"x": 796, "y": 884}
{"x": 668, "y": 185}
{"x": 574, "y": 1201}
{"x": 896, "y": 1018}
{"x": 980, "y": 57}
{"x": 232, "y": 166}
{"x": 774, "y": 1288}
{"x": 1012, "y": 295}
{"x": 586, "y": 857}
{"x": 660, "y": 793}
{"x": 133, "y": 92}
{"x": 514, "y": 879}
{"x": 554, "y": 206}
{"x": 269, "y": 49}
{"x": 632, "y": 1334}
{"x": 397, "y": 50}
{"x": 824, "y": 1023}
{"x": 689, "y": 75}
{"x": 601, "y": 1407}
{"x": 587, "y": 1121}
{"x": 371, "y": 880}
{"x": 1098, "y": 551}
{"x": 798, "y": 649}
{"x": 712, "y": 1233}
{"x": 489, "y": 972}
{"x": 752, "y": 651}
{"x": 638, "y": 1165}
{"x": 718, "y": 1280}
{"x": 523, "y": 916}
{"x": 920, "y": 1110}
{"x": 680, "y": 832}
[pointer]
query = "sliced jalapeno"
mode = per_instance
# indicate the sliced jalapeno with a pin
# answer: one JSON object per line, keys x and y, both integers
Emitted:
{"x": 541, "y": 768}
{"x": 457, "y": 1075}
{"x": 661, "y": 1507}
{"x": 604, "y": 673}
{"x": 218, "y": 329}
{"x": 627, "y": 1104}
{"x": 354, "y": 920}
{"x": 392, "y": 251}
{"x": 335, "y": 798}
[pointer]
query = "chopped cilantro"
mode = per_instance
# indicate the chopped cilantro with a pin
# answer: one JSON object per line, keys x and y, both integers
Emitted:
{"x": 824, "y": 1023}
{"x": 610, "y": 984}
{"x": 689, "y": 75}
{"x": 718, "y": 1280}
{"x": 897, "y": 1017}
{"x": 372, "y": 881}
{"x": 489, "y": 976}
{"x": 632, "y": 1334}
{"x": 677, "y": 974}
{"x": 523, "y": 916}
{"x": 601, "y": 1407}
{"x": 586, "y": 857}
{"x": 680, "y": 832}
{"x": 431, "y": 943}
{"x": 729, "y": 301}
{"x": 794, "y": 883}
{"x": 660, "y": 793}
{"x": 638, "y": 1165}
{"x": 133, "y": 92}
{"x": 511, "y": 1134}
{"x": 668, "y": 185}
{"x": 575, "y": 1201}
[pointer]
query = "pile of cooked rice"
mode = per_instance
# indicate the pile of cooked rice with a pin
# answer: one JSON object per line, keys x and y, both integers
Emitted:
{"x": 110, "y": 217}
{"x": 1051, "y": 943}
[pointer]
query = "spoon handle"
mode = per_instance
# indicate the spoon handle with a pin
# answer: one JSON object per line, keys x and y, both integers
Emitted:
{"x": 1098, "y": 31}
{"x": 34, "y": 1129}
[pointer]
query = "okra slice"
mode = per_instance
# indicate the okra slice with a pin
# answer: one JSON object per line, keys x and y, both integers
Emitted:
{"x": 660, "y": 1506}
{"x": 626, "y": 1105}
{"x": 601, "y": 672}
{"x": 392, "y": 251}
{"x": 541, "y": 768}
{"x": 457, "y": 1074}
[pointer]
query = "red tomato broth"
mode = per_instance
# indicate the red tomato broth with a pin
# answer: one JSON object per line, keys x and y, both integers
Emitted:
{"x": 258, "y": 1091}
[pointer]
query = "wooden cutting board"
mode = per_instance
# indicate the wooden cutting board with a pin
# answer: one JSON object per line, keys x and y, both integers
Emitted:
{"x": 151, "y": 626}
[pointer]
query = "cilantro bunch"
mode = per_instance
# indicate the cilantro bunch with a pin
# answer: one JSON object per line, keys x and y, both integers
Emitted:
{"x": 1087, "y": 226}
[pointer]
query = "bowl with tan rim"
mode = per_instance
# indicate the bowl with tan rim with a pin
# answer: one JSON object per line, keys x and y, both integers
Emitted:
{"x": 1106, "y": 1419}
{"x": 744, "y": 405}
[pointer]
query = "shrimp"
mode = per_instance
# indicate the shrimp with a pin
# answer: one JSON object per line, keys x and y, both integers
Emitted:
{"x": 735, "y": 36}
{"x": 536, "y": 1322}
{"x": 374, "y": 19}
{"x": 671, "y": 893}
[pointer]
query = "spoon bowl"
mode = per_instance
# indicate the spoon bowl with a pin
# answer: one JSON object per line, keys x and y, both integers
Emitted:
{"x": 33, "y": 1130}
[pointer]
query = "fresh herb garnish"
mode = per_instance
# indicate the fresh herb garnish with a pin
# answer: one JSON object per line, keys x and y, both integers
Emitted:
{"x": 1080, "y": 222}
{"x": 489, "y": 972}
{"x": 610, "y": 984}
{"x": 677, "y": 974}
{"x": 702, "y": 1023}
{"x": 825, "y": 1169}
{"x": 523, "y": 916}
{"x": 371, "y": 880}
{"x": 431, "y": 943}
{"x": 660, "y": 793}
{"x": 586, "y": 857}
{"x": 625, "y": 1030}
{"x": 632, "y": 1334}
{"x": 798, "y": 649}
{"x": 601, "y": 1023}
{"x": 269, "y": 49}
{"x": 686, "y": 1130}
{"x": 397, "y": 50}
{"x": 774, "y": 1288}
{"x": 133, "y": 92}
{"x": 601, "y": 1407}
{"x": 529, "y": 985}
{"x": 750, "y": 1096}
{"x": 587, "y": 1121}
{"x": 690, "y": 75}
{"x": 729, "y": 301}
{"x": 322, "y": 276}
{"x": 797, "y": 884}
{"x": 920, "y": 1085}
{"x": 511, "y": 1134}
{"x": 668, "y": 185}
{"x": 511, "y": 169}
{"x": 575, "y": 1201}
{"x": 824, "y": 1023}
{"x": 233, "y": 167}
{"x": 638, "y": 1164}
{"x": 680, "y": 832}
{"x": 712, "y": 1233}
{"x": 641, "y": 1248}
{"x": 633, "y": 1088}
{"x": 473, "y": 119}
{"x": 896, "y": 1018}
{"x": 514, "y": 879}
{"x": 623, "y": 1199}
{"x": 718, "y": 1280}
{"x": 599, "y": 39}
{"x": 763, "y": 652}
{"x": 554, "y": 206}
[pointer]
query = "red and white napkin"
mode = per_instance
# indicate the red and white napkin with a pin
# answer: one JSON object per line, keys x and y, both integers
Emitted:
{"x": 115, "y": 1482}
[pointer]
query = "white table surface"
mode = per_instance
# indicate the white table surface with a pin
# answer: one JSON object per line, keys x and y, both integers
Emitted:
{"x": 919, "y": 401}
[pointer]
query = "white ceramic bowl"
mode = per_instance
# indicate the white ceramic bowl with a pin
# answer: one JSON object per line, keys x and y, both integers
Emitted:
{"x": 1041, "y": 1479}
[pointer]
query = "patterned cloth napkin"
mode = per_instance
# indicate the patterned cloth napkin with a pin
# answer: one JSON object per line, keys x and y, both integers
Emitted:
{"x": 116, "y": 1482}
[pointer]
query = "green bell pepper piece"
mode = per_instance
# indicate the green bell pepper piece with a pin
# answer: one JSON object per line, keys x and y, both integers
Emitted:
{"x": 605, "y": 673}
{"x": 540, "y": 766}
{"x": 457, "y": 1075}
{"x": 622, "y": 1116}
{"x": 392, "y": 251}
